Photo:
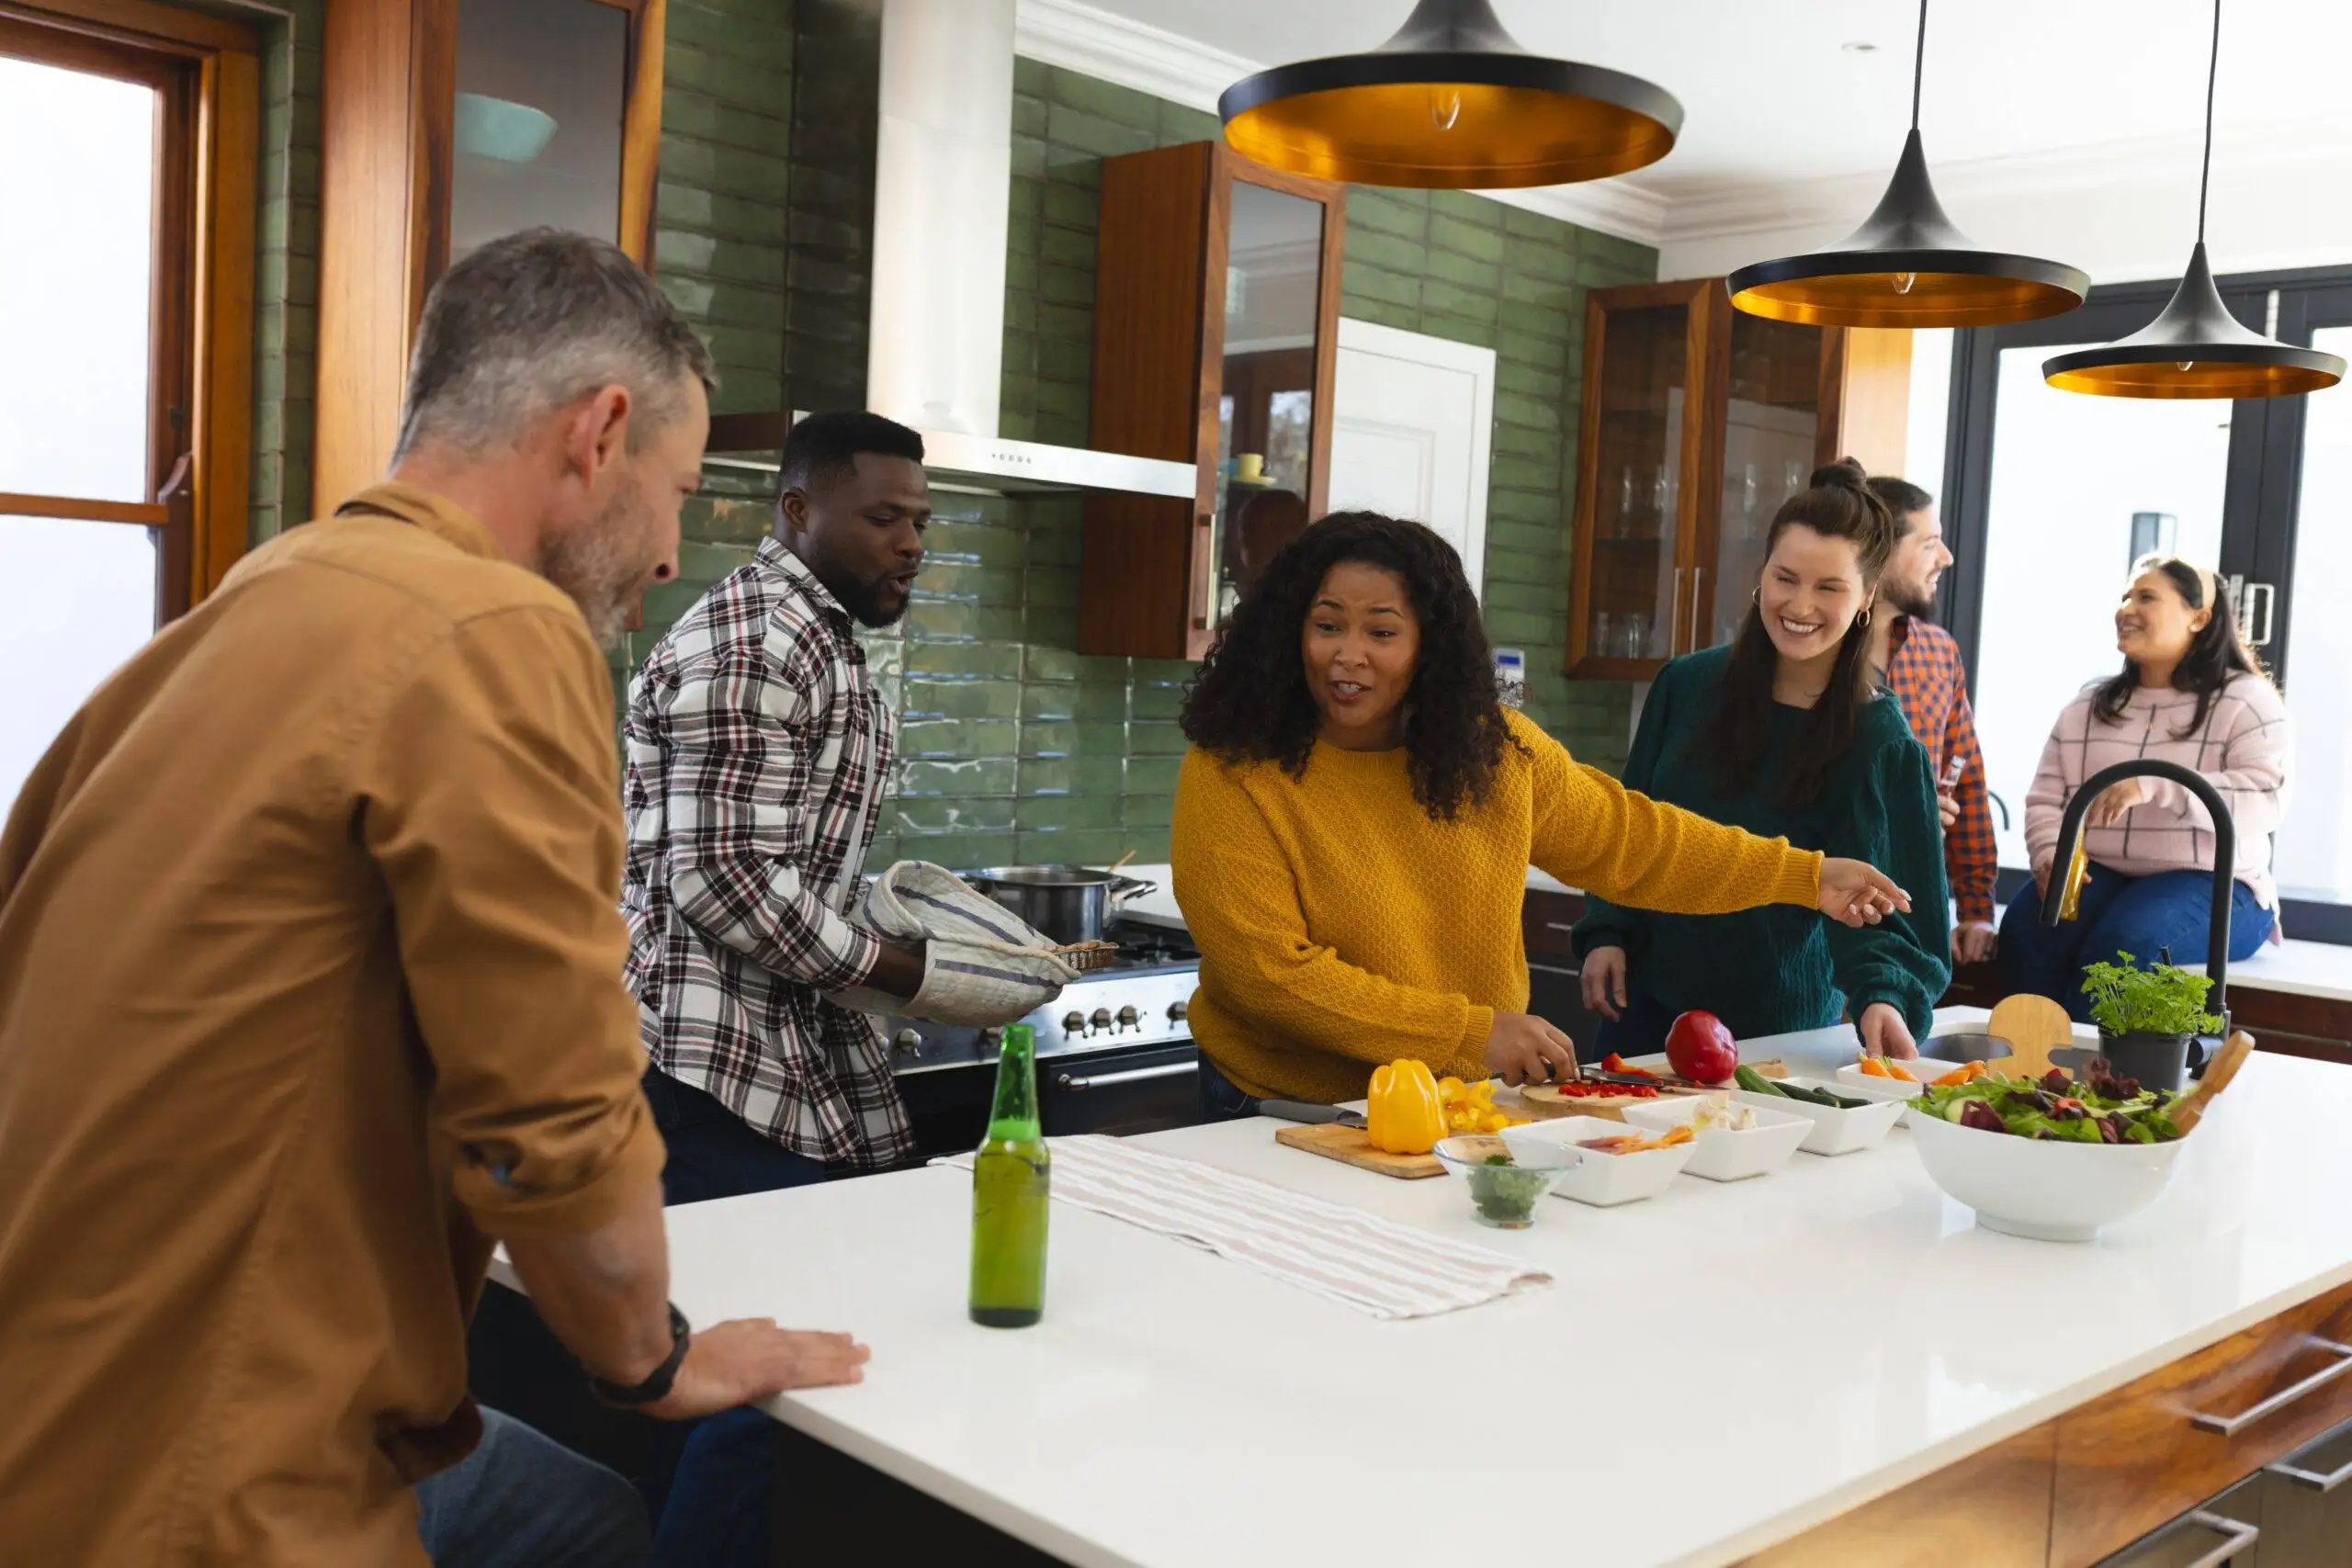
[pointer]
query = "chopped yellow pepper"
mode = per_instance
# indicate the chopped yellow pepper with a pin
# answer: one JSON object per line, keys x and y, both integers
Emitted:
{"x": 1404, "y": 1113}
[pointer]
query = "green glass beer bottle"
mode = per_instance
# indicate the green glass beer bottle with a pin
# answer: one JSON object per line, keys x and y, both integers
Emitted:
{"x": 1010, "y": 1182}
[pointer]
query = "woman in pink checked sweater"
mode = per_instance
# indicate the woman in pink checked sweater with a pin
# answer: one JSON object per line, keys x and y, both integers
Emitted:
{"x": 2191, "y": 693}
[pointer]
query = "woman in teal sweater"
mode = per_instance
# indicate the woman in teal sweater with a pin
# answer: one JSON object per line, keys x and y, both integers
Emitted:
{"x": 1786, "y": 733}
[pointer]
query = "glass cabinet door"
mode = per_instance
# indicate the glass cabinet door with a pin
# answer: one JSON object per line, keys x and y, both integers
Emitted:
{"x": 542, "y": 85}
{"x": 1266, "y": 407}
{"x": 1772, "y": 428}
{"x": 1629, "y": 609}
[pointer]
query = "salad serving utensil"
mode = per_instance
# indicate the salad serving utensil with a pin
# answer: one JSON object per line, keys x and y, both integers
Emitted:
{"x": 2189, "y": 1109}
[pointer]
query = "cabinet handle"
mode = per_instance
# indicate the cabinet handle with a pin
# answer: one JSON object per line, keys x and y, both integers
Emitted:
{"x": 1697, "y": 583}
{"x": 1205, "y": 582}
{"x": 1134, "y": 1075}
{"x": 1674, "y": 621}
{"x": 1560, "y": 926}
{"x": 2311, "y": 1480}
{"x": 2241, "y": 1536}
{"x": 2230, "y": 1426}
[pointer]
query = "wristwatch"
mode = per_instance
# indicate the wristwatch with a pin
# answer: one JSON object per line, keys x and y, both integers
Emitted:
{"x": 657, "y": 1384}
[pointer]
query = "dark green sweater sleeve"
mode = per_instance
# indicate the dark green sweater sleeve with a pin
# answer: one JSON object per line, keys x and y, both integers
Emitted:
{"x": 1614, "y": 925}
{"x": 1904, "y": 961}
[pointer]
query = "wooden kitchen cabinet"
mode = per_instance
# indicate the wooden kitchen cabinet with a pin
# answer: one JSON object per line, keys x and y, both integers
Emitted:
{"x": 447, "y": 123}
{"x": 1699, "y": 421}
{"x": 1215, "y": 336}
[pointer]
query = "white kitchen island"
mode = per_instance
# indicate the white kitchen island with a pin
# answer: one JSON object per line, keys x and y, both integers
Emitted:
{"x": 1709, "y": 1374}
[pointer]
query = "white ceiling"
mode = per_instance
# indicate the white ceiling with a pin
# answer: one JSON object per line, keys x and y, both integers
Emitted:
{"x": 1786, "y": 130}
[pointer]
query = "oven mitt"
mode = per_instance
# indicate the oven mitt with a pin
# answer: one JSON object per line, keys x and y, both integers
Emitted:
{"x": 985, "y": 965}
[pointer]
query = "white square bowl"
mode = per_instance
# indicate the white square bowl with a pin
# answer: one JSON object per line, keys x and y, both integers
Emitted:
{"x": 1853, "y": 1081}
{"x": 1604, "y": 1180}
{"x": 1836, "y": 1130}
{"x": 1719, "y": 1154}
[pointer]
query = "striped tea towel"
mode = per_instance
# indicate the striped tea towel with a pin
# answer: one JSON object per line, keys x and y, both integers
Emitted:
{"x": 1372, "y": 1263}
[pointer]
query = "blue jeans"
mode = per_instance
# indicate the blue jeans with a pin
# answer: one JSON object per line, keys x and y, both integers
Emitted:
{"x": 713, "y": 1152}
{"x": 714, "y": 1487}
{"x": 2142, "y": 916}
{"x": 1222, "y": 1099}
{"x": 522, "y": 1500}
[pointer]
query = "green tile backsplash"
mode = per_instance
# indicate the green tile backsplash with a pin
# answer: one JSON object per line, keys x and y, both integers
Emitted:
{"x": 1014, "y": 747}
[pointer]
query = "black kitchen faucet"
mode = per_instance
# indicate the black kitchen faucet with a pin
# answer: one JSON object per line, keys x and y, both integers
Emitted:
{"x": 2225, "y": 858}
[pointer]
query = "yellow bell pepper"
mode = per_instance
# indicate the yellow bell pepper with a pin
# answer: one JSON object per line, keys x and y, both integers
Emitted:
{"x": 1404, "y": 1113}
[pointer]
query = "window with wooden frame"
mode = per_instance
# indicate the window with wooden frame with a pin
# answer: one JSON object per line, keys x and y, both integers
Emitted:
{"x": 129, "y": 135}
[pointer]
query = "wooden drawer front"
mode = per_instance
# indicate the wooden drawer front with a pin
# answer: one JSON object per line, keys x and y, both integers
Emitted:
{"x": 2135, "y": 1459}
{"x": 1989, "y": 1511}
{"x": 1545, "y": 921}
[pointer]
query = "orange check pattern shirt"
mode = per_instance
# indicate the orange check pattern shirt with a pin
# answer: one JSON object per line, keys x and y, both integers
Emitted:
{"x": 1923, "y": 671}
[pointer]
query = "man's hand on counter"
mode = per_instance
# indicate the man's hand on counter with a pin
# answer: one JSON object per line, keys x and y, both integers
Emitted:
{"x": 1522, "y": 1048}
{"x": 748, "y": 1358}
{"x": 1974, "y": 941}
{"x": 1855, "y": 894}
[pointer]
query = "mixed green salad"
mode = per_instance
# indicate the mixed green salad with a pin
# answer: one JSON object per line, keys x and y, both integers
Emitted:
{"x": 2101, "y": 1108}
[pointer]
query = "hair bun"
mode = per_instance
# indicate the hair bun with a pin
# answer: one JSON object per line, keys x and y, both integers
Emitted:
{"x": 1844, "y": 474}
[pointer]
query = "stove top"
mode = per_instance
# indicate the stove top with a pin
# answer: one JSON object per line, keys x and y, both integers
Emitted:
{"x": 1146, "y": 950}
{"x": 1140, "y": 998}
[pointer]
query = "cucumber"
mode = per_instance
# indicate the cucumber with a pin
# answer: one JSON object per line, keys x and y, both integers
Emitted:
{"x": 1755, "y": 1082}
{"x": 1810, "y": 1096}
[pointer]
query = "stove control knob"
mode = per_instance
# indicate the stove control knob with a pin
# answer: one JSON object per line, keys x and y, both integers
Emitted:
{"x": 1074, "y": 1023}
{"x": 1129, "y": 1018}
{"x": 1177, "y": 1011}
{"x": 907, "y": 1040}
{"x": 1101, "y": 1020}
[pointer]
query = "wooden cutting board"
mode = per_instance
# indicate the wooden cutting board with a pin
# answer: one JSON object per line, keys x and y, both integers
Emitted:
{"x": 1352, "y": 1146}
{"x": 1543, "y": 1102}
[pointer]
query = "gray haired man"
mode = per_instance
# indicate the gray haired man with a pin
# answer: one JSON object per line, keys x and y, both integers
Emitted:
{"x": 324, "y": 882}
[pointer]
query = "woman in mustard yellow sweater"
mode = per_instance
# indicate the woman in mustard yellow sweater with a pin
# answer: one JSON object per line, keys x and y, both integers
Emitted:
{"x": 1355, "y": 821}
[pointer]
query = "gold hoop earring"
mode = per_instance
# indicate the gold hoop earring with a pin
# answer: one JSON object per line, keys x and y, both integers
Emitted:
{"x": 1862, "y": 621}
{"x": 1755, "y": 597}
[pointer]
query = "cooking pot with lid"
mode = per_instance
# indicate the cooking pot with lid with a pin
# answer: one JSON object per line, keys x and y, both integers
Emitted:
{"x": 1068, "y": 903}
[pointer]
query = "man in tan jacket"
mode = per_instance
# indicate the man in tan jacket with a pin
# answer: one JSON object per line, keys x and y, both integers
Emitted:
{"x": 310, "y": 976}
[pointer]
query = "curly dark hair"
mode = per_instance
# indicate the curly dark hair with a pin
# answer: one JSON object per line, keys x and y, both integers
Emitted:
{"x": 1250, "y": 701}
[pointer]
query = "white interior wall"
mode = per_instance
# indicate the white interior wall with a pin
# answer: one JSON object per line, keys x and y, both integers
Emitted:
{"x": 2134, "y": 222}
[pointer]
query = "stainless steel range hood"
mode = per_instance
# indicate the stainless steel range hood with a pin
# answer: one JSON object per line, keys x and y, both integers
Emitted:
{"x": 966, "y": 465}
{"x": 942, "y": 186}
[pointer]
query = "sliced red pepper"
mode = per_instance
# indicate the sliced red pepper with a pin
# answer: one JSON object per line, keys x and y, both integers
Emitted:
{"x": 1613, "y": 1063}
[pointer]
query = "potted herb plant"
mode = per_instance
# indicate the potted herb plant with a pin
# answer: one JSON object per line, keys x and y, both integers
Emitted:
{"x": 2148, "y": 1018}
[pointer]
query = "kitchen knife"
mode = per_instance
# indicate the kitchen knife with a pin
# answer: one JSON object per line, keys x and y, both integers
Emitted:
{"x": 1651, "y": 1080}
{"x": 1317, "y": 1115}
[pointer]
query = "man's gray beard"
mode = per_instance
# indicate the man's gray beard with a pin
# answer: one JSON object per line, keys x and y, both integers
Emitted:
{"x": 593, "y": 565}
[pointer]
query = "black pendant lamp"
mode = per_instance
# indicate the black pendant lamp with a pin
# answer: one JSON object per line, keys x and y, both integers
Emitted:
{"x": 2195, "y": 348}
{"x": 1452, "y": 103}
{"x": 1906, "y": 265}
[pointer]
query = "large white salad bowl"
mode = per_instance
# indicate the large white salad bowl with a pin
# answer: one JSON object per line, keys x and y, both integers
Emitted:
{"x": 2045, "y": 1190}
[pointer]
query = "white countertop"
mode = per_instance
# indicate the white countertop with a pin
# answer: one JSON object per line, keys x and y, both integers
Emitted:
{"x": 1710, "y": 1371}
{"x": 2301, "y": 968}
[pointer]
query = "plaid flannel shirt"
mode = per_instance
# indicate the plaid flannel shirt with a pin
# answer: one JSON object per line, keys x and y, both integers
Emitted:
{"x": 756, "y": 751}
{"x": 1923, "y": 671}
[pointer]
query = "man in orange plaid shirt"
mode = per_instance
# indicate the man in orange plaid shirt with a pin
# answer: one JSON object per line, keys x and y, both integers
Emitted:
{"x": 1922, "y": 666}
